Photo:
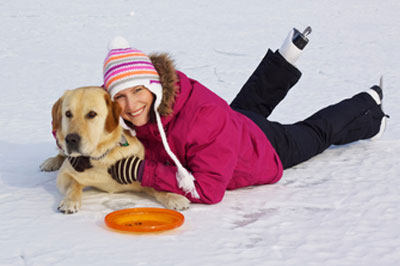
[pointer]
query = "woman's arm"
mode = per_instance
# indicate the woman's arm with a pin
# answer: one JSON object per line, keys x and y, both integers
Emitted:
{"x": 211, "y": 156}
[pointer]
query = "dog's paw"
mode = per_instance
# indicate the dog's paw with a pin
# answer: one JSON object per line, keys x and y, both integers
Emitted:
{"x": 176, "y": 202}
{"x": 52, "y": 164}
{"x": 68, "y": 206}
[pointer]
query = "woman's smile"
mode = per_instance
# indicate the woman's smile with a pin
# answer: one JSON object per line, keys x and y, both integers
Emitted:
{"x": 137, "y": 112}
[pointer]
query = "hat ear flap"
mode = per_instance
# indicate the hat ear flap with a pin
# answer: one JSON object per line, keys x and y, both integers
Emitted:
{"x": 114, "y": 111}
{"x": 56, "y": 114}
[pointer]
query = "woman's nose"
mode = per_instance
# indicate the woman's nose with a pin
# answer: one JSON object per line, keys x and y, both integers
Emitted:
{"x": 130, "y": 103}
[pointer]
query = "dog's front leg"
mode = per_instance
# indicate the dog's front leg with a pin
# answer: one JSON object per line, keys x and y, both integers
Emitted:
{"x": 72, "y": 191}
{"x": 170, "y": 200}
{"x": 53, "y": 163}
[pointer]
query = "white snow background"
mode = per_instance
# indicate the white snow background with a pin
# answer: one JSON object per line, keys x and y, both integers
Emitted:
{"x": 340, "y": 208}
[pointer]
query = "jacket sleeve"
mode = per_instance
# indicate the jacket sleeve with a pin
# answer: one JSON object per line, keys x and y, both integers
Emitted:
{"x": 211, "y": 148}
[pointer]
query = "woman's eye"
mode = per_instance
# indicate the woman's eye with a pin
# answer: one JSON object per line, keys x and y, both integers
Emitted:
{"x": 91, "y": 114}
{"x": 68, "y": 114}
{"x": 118, "y": 97}
{"x": 138, "y": 90}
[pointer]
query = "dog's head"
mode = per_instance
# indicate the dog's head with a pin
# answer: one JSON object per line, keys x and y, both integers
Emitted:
{"x": 86, "y": 121}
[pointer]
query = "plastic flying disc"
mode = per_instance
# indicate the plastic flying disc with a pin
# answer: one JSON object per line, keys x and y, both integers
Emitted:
{"x": 144, "y": 219}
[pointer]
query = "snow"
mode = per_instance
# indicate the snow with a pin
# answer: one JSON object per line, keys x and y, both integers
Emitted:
{"x": 340, "y": 208}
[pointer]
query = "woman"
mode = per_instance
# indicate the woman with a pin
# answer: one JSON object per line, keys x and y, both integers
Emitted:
{"x": 198, "y": 145}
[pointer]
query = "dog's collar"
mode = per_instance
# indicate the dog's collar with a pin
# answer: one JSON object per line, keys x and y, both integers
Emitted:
{"x": 123, "y": 142}
{"x": 101, "y": 156}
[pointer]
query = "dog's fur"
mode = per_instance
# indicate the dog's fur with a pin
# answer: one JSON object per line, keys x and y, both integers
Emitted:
{"x": 89, "y": 113}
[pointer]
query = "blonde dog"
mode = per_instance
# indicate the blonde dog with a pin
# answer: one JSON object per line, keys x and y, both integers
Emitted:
{"x": 86, "y": 124}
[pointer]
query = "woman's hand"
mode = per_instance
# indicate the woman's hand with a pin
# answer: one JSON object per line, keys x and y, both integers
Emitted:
{"x": 80, "y": 163}
{"x": 127, "y": 170}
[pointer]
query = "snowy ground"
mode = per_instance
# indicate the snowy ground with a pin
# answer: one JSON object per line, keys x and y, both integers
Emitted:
{"x": 340, "y": 208}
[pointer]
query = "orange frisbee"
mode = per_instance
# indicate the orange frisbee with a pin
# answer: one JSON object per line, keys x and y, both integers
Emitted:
{"x": 144, "y": 219}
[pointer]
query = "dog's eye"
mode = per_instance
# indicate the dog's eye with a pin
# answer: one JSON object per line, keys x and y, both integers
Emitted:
{"x": 68, "y": 114}
{"x": 91, "y": 114}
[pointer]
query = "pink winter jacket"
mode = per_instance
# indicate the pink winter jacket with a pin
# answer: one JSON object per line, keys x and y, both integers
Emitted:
{"x": 222, "y": 148}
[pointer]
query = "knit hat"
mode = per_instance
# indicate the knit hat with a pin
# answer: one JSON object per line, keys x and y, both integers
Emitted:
{"x": 126, "y": 67}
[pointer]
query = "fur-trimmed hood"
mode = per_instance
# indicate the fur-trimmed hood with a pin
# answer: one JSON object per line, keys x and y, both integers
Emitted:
{"x": 165, "y": 67}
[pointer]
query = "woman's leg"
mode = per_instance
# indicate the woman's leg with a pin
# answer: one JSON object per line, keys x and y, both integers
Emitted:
{"x": 350, "y": 120}
{"x": 267, "y": 86}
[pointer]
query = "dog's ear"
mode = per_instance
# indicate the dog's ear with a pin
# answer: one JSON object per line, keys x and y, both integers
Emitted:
{"x": 114, "y": 111}
{"x": 56, "y": 114}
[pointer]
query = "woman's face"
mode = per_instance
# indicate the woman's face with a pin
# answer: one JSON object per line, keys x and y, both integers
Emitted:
{"x": 135, "y": 103}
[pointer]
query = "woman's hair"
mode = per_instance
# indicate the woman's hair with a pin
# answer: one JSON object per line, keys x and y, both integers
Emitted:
{"x": 152, "y": 113}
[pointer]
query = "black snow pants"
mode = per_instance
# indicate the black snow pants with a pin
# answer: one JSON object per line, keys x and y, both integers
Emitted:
{"x": 350, "y": 120}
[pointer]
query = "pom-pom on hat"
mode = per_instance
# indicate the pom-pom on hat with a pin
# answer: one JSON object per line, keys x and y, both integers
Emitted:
{"x": 126, "y": 67}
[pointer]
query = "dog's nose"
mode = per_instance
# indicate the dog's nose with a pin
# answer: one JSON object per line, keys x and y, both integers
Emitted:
{"x": 73, "y": 141}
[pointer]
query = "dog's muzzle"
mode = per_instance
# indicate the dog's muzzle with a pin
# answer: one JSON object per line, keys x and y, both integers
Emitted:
{"x": 72, "y": 142}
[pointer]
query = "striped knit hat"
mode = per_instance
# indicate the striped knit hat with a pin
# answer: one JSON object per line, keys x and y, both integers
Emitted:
{"x": 125, "y": 67}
